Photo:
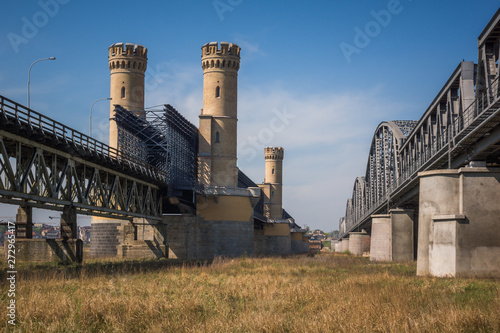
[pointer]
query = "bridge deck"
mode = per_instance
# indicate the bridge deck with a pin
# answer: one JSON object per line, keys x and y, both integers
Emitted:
{"x": 46, "y": 164}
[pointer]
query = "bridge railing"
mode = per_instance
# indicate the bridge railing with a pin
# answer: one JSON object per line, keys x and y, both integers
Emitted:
{"x": 22, "y": 116}
{"x": 448, "y": 141}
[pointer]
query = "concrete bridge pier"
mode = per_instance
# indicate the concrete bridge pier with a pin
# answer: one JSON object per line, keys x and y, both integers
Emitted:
{"x": 343, "y": 244}
{"x": 24, "y": 222}
{"x": 106, "y": 234}
{"x": 139, "y": 238}
{"x": 66, "y": 249}
{"x": 392, "y": 236}
{"x": 459, "y": 223}
{"x": 359, "y": 243}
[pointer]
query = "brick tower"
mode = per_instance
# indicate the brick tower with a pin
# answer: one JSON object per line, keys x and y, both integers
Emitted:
{"x": 127, "y": 64}
{"x": 273, "y": 205}
{"x": 219, "y": 116}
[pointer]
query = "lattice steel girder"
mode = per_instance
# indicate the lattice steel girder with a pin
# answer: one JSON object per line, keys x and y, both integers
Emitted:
{"x": 41, "y": 176}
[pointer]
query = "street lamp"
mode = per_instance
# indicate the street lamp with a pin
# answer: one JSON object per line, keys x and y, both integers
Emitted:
{"x": 29, "y": 74}
{"x": 90, "y": 120}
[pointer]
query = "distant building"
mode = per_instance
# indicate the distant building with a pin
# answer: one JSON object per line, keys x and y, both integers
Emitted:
{"x": 52, "y": 234}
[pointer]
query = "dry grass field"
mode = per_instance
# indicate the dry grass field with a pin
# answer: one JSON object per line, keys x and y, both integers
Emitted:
{"x": 325, "y": 293}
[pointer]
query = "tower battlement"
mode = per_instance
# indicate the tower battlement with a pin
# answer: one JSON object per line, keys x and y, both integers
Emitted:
{"x": 274, "y": 153}
{"x": 128, "y": 56}
{"x": 128, "y": 49}
{"x": 225, "y": 57}
{"x": 225, "y": 49}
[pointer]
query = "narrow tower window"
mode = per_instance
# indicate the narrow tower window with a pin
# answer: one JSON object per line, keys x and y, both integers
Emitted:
{"x": 123, "y": 92}
{"x": 217, "y": 92}
{"x": 217, "y": 137}
{"x": 273, "y": 171}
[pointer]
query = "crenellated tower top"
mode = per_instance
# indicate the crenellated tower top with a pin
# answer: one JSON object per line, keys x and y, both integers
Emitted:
{"x": 128, "y": 56}
{"x": 274, "y": 153}
{"x": 223, "y": 57}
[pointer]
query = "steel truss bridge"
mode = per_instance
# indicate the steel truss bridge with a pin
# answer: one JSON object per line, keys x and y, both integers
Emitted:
{"x": 462, "y": 124}
{"x": 46, "y": 164}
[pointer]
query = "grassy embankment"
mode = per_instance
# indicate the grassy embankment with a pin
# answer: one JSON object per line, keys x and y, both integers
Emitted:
{"x": 327, "y": 293}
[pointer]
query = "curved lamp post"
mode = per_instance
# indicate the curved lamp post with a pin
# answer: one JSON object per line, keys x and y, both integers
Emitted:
{"x": 90, "y": 120}
{"x": 29, "y": 75}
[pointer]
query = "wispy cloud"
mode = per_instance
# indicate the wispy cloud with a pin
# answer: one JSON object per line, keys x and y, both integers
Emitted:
{"x": 326, "y": 145}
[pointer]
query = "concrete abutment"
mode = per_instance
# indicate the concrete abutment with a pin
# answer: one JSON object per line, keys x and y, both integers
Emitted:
{"x": 459, "y": 229}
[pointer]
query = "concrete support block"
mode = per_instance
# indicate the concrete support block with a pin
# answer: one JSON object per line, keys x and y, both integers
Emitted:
{"x": 392, "y": 236}
{"x": 334, "y": 246}
{"x": 359, "y": 242}
{"x": 402, "y": 234}
{"x": 437, "y": 196}
{"x": 24, "y": 222}
{"x": 443, "y": 253}
{"x": 141, "y": 238}
{"x": 337, "y": 246}
{"x": 106, "y": 235}
{"x": 344, "y": 245}
{"x": 381, "y": 238}
{"x": 458, "y": 223}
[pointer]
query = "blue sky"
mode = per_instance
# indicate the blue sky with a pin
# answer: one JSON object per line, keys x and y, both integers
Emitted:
{"x": 293, "y": 69}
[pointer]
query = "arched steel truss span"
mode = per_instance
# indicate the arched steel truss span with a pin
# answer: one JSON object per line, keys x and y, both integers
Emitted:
{"x": 461, "y": 124}
{"x": 381, "y": 170}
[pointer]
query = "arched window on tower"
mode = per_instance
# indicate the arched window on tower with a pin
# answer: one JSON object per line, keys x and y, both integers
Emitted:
{"x": 217, "y": 137}
{"x": 273, "y": 171}
{"x": 123, "y": 92}
{"x": 217, "y": 92}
